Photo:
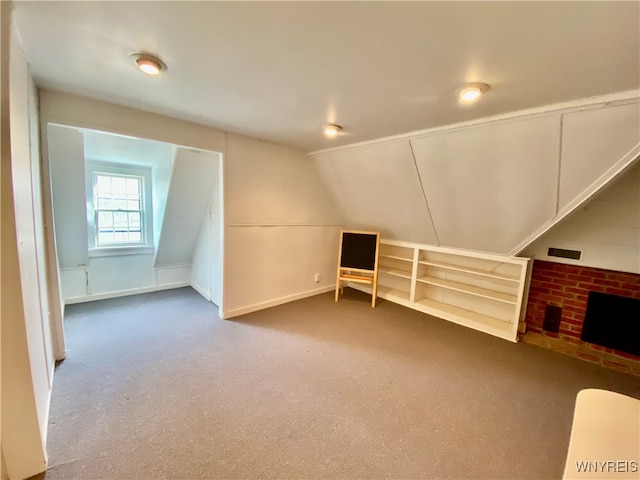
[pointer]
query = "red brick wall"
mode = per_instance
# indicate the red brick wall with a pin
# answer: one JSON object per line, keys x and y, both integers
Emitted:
{"x": 568, "y": 286}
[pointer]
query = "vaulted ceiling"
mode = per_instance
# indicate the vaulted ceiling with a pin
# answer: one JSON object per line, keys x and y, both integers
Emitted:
{"x": 279, "y": 70}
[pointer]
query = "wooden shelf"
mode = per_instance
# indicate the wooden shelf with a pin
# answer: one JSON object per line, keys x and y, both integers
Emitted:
{"x": 396, "y": 272}
{"x": 465, "y": 317}
{"x": 475, "y": 271}
{"x": 396, "y": 257}
{"x": 470, "y": 289}
{"x": 453, "y": 285}
{"x": 389, "y": 293}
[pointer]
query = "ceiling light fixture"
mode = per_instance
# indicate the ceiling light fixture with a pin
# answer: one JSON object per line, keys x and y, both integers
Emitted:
{"x": 149, "y": 64}
{"x": 332, "y": 130}
{"x": 472, "y": 92}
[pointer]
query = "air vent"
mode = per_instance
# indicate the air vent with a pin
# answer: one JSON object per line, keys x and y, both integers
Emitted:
{"x": 562, "y": 253}
{"x": 552, "y": 317}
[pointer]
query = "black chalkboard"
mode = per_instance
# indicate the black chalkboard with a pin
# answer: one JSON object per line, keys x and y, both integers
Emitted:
{"x": 358, "y": 250}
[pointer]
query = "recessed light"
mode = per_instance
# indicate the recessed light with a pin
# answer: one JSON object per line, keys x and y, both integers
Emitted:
{"x": 149, "y": 64}
{"x": 331, "y": 130}
{"x": 472, "y": 92}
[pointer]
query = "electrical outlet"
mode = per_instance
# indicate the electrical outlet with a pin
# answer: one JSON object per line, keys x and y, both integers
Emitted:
{"x": 317, "y": 277}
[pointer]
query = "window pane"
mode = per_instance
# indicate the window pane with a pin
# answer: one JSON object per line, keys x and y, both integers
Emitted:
{"x": 103, "y": 184}
{"x": 134, "y": 221}
{"x": 133, "y": 186}
{"x": 105, "y": 237}
{"x": 119, "y": 206}
{"x": 120, "y": 220}
{"x": 105, "y": 220}
{"x": 119, "y": 185}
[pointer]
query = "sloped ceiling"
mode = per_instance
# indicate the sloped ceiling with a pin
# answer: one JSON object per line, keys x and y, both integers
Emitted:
{"x": 193, "y": 179}
{"x": 379, "y": 188}
{"x": 491, "y": 187}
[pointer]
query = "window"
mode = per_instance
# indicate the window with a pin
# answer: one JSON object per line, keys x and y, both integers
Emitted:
{"x": 118, "y": 207}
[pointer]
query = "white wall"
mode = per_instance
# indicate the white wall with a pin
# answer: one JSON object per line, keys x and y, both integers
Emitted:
{"x": 193, "y": 180}
{"x": 206, "y": 264}
{"x": 120, "y": 275}
{"x": 493, "y": 184}
{"x": 281, "y": 227}
{"x": 202, "y": 256}
{"x": 272, "y": 198}
{"x": 378, "y": 188}
{"x": 606, "y": 230}
{"x": 27, "y": 361}
{"x": 105, "y": 147}
{"x": 84, "y": 277}
{"x": 74, "y": 110}
{"x": 67, "y": 170}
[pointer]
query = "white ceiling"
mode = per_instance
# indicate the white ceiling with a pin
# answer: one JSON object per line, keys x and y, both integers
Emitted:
{"x": 278, "y": 70}
{"x": 107, "y": 147}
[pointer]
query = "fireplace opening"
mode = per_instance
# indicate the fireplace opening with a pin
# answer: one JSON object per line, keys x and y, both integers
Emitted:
{"x": 613, "y": 321}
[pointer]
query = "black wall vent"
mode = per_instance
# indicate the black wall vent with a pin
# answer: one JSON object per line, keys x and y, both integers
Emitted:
{"x": 562, "y": 253}
{"x": 552, "y": 316}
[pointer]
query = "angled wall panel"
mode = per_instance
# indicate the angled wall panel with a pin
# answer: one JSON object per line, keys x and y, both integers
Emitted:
{"x": 490, "y": 186}
{"x": 66, "y": 164}
{"x": 606, "y": 230}
{"x": 592, "y": 142}
{"x": 382, "y": 191}
{"x": 194, "y": 177}
{"x": 344, "y": 204}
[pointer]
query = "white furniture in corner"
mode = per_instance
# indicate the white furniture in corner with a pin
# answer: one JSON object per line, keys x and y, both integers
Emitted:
{"x": 483, "y": 291}
{"x": 605, "y": 437}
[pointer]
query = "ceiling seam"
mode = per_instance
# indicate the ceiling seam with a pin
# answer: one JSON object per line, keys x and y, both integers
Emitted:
{"x": 424, "y": 194}
{"x": 559, "y": 177}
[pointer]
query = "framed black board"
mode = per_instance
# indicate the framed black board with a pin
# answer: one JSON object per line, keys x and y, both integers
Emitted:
{"x": 359, "y": 250}
{"x": 358, "y": 260}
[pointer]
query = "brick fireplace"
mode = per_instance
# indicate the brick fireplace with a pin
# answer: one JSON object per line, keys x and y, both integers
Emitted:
{"x": 556, "y": 285}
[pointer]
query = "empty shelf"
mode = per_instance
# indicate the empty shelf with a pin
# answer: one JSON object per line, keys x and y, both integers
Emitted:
{"x": 475, "y": 271}
{"x": 396, "y": 272}
{"x": 470, "y": 289}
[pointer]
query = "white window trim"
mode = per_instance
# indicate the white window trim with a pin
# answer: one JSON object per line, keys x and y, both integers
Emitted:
{"x": 95, "y": 167}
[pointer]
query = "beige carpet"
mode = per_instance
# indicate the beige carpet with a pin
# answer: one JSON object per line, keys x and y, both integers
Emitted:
{"x": 157, "y": 386}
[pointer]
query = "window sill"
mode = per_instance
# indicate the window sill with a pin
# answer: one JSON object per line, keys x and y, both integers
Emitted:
{"x": 118, "y": 251}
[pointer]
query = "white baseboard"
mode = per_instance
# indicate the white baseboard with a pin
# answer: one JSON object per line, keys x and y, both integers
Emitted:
{"x": 59, "y": 355}
{"x": 272, "y": 303}
{"x": 125, "y": 293}
{"x": 201, "y": 291}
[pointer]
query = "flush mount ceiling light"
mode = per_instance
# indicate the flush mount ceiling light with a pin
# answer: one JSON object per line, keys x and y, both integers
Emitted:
{"x": 149, "y": 64}
{"x": 331, "y": 130}
{"x": 471, "y": 92}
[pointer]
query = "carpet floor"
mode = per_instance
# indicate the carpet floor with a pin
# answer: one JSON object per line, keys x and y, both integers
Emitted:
{"x": 158, "y": 386}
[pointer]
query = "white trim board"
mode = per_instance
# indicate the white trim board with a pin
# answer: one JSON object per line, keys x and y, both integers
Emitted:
{"x": 590, "y": 102}
{"x": 125, "y": 293}
{"x": 201, "y": 291}
{"x": 605, "y": 179}
{"x": 272, "y": 303}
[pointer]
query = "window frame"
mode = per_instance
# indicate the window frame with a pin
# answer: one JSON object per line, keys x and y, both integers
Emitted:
{"x": 94, "y": 168}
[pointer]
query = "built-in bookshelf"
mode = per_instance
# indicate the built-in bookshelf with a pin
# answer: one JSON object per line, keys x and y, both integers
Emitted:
{"x": 479, "y": 290}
